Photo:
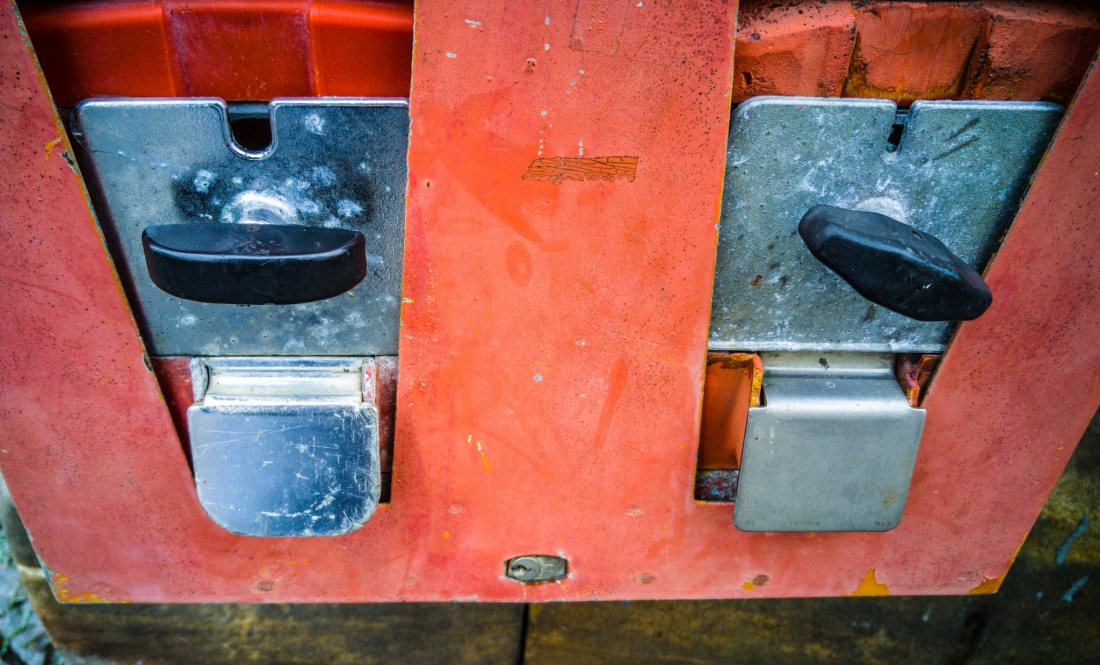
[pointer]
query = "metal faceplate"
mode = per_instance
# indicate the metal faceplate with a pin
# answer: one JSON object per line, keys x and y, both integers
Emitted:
{"x": 285, "y": 446}
{"x": 831, "y": 449}
{"x": 337, "y": 163}
{"x": 958, "y": 174}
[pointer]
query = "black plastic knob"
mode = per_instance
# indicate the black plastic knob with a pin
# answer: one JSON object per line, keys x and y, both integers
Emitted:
{"x": 254, "y": 264}
{"x": 894, "y": 265}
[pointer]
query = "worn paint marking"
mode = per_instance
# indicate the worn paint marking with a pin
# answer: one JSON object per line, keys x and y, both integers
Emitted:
{"x": 988, "y": 586}
{"x": 556, "y": 169}
{"x": 49, "y": 152}
{"x": 64, "y": 595}
{"x": 869, "y": 586}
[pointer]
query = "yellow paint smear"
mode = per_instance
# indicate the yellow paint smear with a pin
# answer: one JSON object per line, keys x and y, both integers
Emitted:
{"x": 64, "y": 595}
{"x": 869, "y": 586}
{"x": 988, "y": 586}
{"x": 49, "y": 151}
{"x": 667, "y": 360}
{"x": 484, "y": 460}
{"x": 748, "y": 586}
{"x": 757, "y": 384}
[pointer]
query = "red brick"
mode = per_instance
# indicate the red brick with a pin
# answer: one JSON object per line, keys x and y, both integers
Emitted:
{"x": 909, "y": 51}
{"x": 1035, "y": 51}
{"x": 801, "y": 49}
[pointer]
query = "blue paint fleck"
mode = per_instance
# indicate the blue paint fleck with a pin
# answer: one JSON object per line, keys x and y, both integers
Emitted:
{"x": 538, "y": 377}
{"x": 1068, "y": 595}
{"x": 451, "y": 55}
{"x": 1060, "y": 555}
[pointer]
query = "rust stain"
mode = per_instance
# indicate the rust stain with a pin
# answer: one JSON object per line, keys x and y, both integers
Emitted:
{"x": 869, "y": 586}
{"x": 759, "y": 580}
{"x": 64, "y": 595}
{"x": 914, "y": 373}
{"x": 556, "y": 169}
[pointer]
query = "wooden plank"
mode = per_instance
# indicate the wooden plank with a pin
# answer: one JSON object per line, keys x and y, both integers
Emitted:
{"x": 334, "y": 634}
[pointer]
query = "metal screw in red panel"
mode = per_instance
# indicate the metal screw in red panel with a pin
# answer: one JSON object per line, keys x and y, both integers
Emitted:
{"x": 534, "y": 568}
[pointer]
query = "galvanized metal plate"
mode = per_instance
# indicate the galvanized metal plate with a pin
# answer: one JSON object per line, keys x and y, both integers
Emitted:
{"x": 337, "y": 163}
{"x": 832, "y": 449}
{"x": 958, "y": 173}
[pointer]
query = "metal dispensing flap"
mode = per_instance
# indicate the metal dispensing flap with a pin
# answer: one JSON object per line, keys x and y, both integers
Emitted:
{"x": 285, "y": 446}
{"x": 332, "y": 163}
{"x": 831, "y": 449}
{"x": 953, "y": 170}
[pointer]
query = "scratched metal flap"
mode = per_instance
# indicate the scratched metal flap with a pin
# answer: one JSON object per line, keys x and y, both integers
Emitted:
{"x": 285, "y": 447}
{"x": 958, "y": 173}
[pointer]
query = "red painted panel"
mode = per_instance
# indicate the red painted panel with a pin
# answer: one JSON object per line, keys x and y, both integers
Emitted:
{"x": 81, "y": 412}
{"x": 243, "y": 49}
{"x": 174, "y": 377}
{"x": 235, "y": 49}
{"x": 361, "y": 48}
{"x": 555, "y": 328}
{"x": 96, "y": 49}
{"x": 552, "y": 354}
{"x": 1017, "y": 387}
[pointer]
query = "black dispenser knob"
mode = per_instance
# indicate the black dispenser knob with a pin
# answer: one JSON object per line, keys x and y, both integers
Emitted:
{"x": 894, "y": 265}
{"x": 254, "y": 264}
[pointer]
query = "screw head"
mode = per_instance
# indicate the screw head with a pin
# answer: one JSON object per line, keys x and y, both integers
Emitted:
{"x": 524, "y": 568}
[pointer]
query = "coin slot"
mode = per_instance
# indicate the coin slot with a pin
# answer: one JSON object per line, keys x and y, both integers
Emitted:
{"x": 250, "y": 125}
{"x": 893, "y": 141}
